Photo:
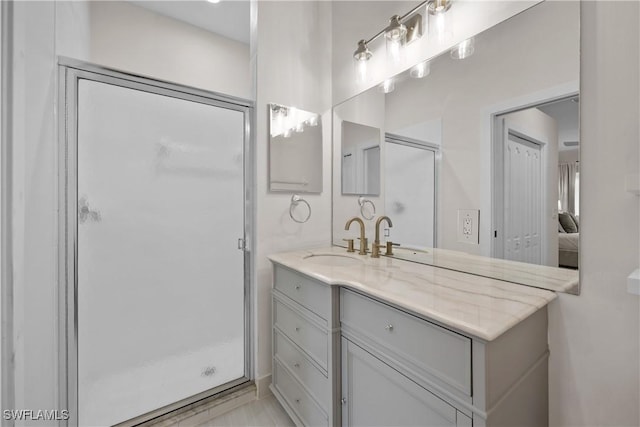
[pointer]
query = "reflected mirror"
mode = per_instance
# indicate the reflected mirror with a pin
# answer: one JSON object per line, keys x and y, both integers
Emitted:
{"x": 295, "y": 150}
{"x": 479, "y": 157}
{"x": 360, "y": 159}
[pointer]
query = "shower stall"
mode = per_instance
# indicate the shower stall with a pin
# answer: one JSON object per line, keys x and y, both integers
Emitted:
{"x": 155, "y": 210}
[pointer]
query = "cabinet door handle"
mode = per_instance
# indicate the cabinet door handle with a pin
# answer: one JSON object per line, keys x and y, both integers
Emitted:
{"x": 297, "y": 329}
{"x": 389, "y": 327}
{"x": 343, "y": 400}
{"x": 297, "y": 365}
{"x": 297, "y": 287}
{"x": 297, "y": 400}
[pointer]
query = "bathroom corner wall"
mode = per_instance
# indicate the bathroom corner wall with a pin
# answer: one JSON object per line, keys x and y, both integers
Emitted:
{"x": 594, "y": 377}
{"x": 293, "y": 68}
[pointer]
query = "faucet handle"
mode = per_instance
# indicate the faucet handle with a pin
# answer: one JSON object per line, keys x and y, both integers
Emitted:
{"x": 390, "y": 246}
{"x": 364, "y": 246}
{"x": 349, "y": 245}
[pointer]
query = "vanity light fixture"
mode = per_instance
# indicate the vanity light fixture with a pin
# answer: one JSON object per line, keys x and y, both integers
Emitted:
{"x": 400, "y": 31}
{"x": 421, "y": 70}
{"x": 463, "y": 50}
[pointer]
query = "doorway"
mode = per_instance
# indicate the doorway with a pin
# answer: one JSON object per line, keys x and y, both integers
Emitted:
{"x": 154, "y": 276}
{"x": 528, "y": 144}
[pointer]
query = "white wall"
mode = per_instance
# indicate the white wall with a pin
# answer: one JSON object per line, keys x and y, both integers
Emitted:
{"x": 594, "y": 376}
{"x": 293, "y": 69}
{"x": 130, "y": 38}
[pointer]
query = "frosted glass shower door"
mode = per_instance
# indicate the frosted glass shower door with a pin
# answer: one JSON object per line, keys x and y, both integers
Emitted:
{"x": 160, "y": 286}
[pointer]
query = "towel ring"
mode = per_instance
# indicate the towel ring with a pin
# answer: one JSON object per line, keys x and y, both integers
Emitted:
{"x": 295, "y": 200}
{"x": 362, "y": 202}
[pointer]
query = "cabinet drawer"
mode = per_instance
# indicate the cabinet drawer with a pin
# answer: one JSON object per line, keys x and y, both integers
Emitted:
{"x": 301, "y": 403}
{"x": 308, "y": 374}
{"x": 310, "y": 338}
{"x": 309, "y": 293}
{"x": 430, "y": 350}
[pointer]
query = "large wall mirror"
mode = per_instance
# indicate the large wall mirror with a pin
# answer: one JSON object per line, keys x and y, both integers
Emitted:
{"x": 479, "y": 155}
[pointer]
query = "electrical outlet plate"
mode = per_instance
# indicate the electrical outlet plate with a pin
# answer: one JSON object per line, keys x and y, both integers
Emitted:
{"x": 468, "y": 224}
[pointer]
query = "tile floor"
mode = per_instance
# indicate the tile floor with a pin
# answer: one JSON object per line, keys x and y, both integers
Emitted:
{"x": 266, "y": 412}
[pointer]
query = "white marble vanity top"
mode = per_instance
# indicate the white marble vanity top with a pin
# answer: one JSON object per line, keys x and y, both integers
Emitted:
{"x": 479, "y": 306}
{"x": 541, "y": 276}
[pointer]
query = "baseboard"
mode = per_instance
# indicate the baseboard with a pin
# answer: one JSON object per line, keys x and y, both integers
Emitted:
{"x": 262, "y": 385}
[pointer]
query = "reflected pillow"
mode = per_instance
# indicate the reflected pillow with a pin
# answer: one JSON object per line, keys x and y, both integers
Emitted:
{"x": 567, "y": 222}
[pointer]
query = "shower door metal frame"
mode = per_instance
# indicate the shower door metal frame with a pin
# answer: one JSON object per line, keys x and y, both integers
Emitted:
{"x": 70, "y": 72}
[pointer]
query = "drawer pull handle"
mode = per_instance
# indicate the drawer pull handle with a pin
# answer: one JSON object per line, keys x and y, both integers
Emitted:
{"x": 389, "y": 327}
{"x": 297, "y": 287}
{"x": 297, "y": 365}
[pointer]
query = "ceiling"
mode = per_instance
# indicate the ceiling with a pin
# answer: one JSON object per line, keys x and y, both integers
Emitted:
{"x": 229, "y": 18}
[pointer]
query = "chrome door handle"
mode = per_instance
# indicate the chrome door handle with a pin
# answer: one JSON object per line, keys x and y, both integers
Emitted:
{"x": 85, "y": 213}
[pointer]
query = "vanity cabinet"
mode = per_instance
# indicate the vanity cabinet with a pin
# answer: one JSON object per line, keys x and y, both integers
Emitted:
{"x": 344, "y": 357}
{"x": 403, "y": 370}
{"x": 306, "y": 346}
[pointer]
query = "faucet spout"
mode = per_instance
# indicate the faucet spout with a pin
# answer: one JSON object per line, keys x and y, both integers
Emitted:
{"x": 363, "y": 239}
{"x": 375, "y": 251}
{"x": 378, "y": 222}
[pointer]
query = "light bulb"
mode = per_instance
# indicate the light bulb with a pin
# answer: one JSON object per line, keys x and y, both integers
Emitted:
{"x": 463, "y": 50}
{"x": 388, "y": 86}
{"x": 421, "y": 70}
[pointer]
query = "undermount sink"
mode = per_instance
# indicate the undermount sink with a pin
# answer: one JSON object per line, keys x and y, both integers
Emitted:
{"x": 334, "y": 260}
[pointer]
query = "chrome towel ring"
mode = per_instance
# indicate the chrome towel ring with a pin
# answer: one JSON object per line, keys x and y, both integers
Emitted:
{"x": 362, "y": 202}
{"x": 295, "y": 200}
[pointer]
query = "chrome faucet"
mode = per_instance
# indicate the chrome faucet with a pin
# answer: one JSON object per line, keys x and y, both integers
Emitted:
{"x": 363, "y": 239}
{"x": 375, "y": 249}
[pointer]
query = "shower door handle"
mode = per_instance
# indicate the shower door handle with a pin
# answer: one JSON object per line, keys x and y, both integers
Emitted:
{"x": 85, "y": 213}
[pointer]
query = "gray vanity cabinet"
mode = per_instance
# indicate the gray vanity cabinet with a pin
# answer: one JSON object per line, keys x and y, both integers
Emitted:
{"x": 403, "y": 370}
{"x": 306, "y": 346}
{"x": 342, "y": 357}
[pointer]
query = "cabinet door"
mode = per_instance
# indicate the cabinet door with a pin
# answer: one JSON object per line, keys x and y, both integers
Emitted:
{"x": 375, "y": 394}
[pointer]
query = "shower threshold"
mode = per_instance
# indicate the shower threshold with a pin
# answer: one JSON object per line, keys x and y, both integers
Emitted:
{"x": 199, "y": 408}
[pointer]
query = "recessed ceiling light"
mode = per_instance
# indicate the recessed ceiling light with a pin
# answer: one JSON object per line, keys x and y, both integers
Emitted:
{"x": 214, "y": 1}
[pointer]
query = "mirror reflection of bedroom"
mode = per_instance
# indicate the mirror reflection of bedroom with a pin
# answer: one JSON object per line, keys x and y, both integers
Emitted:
{"x": 537, "y": 152}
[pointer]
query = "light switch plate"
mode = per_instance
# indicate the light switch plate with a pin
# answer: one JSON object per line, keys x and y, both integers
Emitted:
{"x": 468, "y": 224}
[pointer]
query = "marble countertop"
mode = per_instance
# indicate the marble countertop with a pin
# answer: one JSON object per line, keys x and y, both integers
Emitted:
{"x": 541, "y": 276}
{"x": 482, "y": 307}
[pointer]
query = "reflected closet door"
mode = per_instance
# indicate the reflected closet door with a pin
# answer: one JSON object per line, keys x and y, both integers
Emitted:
{"x": 160, "y": 286}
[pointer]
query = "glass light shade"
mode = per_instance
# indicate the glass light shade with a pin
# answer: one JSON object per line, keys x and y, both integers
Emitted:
{"x": 387, "y": 86}
{"x": 464, "y": 49}
{"x": 441, "y": 27}
{"x": 313, "y": 120}
{"x": 362, "y": 70}
{"x": 438, "y": 7}
{"x": 421, "y": 70}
